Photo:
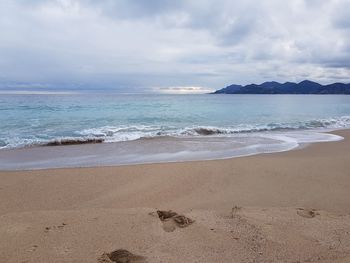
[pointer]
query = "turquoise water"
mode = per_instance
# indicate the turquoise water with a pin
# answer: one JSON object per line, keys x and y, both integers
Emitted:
{"x": 35, "y": 119}
{"x": 182, "y": 126}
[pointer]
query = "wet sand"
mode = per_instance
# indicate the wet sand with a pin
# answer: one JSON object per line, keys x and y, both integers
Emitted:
{"x": 282, "y": 207}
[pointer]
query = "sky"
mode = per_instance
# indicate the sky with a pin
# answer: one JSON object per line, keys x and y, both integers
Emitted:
{"x": 168, "y": 46}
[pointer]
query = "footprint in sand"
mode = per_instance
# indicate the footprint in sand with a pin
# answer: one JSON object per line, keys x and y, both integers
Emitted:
{"x": 33, "y": 248}
{"x": 121, "y": 256}
{"x": 49, "y": 228}
{"x": 171, "y": 220}
{"x": 307, "y": 213}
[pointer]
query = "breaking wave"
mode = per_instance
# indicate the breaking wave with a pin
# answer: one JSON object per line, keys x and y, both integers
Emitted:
{"x": 125, "y": 133}
{"x": 136, "y": 132}
{"x": 58, "y": 142}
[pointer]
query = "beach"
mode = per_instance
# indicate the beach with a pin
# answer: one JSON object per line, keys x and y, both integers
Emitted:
{"x": 292, "y": 206}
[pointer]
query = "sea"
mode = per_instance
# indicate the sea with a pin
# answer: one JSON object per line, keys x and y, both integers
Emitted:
{"x": 152, "y": 128}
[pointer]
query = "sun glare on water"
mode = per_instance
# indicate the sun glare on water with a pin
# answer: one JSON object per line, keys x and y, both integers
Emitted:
{"x": 183, "y": 90}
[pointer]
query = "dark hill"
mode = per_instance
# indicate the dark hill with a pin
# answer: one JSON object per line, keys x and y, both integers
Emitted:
{"x": 273, "y": 87}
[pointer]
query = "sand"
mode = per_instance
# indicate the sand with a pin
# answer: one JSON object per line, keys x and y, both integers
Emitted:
{"x": 282, "y": 207}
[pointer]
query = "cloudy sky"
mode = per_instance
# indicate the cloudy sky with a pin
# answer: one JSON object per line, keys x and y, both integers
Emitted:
{"x": 171, "y": 46}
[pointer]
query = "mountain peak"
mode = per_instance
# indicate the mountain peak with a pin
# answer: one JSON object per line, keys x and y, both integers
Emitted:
{"x": 309, "y": 82}
{"x": 274, "y": 87}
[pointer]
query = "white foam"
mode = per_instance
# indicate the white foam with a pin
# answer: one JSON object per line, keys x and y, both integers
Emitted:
{"x": 162, "y": 149}
{"x": 121, "y": 133}
{"x": 301, "y": 137}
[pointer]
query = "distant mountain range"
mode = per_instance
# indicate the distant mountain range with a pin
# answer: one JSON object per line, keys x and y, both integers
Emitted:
{"x": 273, "y": 87}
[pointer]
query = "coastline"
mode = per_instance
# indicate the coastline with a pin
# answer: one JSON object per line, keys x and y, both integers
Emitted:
{"x": 156, "y": 150}
{"x": 245, "y": 209}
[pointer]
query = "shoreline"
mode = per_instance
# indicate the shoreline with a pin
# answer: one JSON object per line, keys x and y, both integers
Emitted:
{"x": 159, "y": 150}
{"x": 279, "y": 207}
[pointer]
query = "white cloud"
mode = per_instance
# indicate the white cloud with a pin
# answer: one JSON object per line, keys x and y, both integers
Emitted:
{"x": 136, "y": 45}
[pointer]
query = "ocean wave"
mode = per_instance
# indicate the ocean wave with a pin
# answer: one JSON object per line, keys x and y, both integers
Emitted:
{"x": 25, "y": 142}
{"x": 136, "y": 132}
{"x": 74, "y": 141}
{"x": 331, "y": 123}
{"x": 127, "y": 133}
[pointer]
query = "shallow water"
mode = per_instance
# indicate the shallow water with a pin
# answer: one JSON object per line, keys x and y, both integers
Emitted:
{"x": 157, "y": 128}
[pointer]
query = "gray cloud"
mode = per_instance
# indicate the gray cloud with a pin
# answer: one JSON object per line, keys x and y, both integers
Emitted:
{"x": 138, "y": 45}
{"x": 135, "y": 8}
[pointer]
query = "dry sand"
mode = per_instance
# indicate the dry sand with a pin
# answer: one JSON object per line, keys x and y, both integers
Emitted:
{"x": 284, "y": 207}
